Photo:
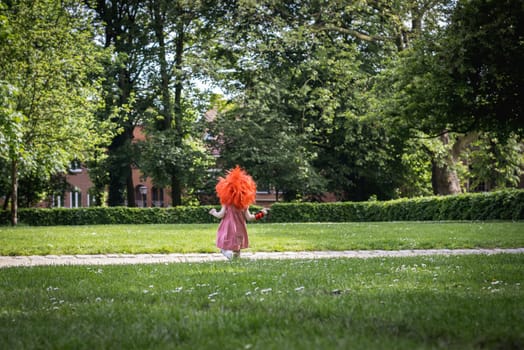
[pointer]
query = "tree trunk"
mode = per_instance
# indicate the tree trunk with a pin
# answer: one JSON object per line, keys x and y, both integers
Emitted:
{"x": 176, "y": 185}
{"x": 14, "y": 192}
{"x": 120, "y": 19}
{"x": 119, "y": 169}
{"x": 165, "y": 77}
{"x": 130, "y": 186}
{"x": 6, "y": 201}
{"x": 444, "y": 178}
{"x": 115, "y": 196}
{"x": 176, "y": 191}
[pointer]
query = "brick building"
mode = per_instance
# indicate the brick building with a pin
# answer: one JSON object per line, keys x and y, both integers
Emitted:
{"x": 80, "y": 187}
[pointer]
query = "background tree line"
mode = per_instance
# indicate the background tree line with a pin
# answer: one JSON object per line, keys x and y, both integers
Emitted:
{"x": 365, "y": 99}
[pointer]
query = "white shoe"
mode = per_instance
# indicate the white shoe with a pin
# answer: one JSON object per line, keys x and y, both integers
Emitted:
{"x": 227, "y": 253}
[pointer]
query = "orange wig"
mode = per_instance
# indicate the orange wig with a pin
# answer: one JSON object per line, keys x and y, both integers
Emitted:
{"x": 237, "y": 188}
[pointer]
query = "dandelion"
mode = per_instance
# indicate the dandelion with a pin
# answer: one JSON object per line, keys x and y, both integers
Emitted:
{"x": 299, "y": 289}
{"x": 265, "y": 291}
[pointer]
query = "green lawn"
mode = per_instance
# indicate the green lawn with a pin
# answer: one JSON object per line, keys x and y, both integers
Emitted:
{"x": 24, "y": 240}
{"x": 458, "y": 302}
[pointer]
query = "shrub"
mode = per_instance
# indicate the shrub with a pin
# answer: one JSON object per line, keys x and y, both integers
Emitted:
{"x": 500, "y": 205}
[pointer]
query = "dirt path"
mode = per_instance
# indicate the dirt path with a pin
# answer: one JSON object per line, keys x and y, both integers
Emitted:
{"x": 117, "y": 259}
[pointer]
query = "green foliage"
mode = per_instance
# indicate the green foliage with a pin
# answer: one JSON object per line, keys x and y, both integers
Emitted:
{"x": 269, "y": 148}
{"x": 164, "y": 154}
{"x": 49, "y": 67}
{"x": 161, "y": 50}
{"x": 501, "y": 205}
{"x": 496, "y": 163}
{"x": 113, "y": 215}
{"x": 325, "y": 95}
{"x": 481, "y": 55}
{"x": 464, "y": 77}
{"x": 49, "y": 90}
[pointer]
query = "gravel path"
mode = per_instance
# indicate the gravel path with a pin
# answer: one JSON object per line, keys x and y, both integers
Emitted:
{"x": 117, "y": 259}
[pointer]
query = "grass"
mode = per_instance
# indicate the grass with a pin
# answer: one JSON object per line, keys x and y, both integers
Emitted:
{"x": 178, "y": 238}
{"x": 457, "y": 302}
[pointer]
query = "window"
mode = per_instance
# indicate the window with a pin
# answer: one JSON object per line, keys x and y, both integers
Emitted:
{"x": 75, "y": 167}
{"x": 57, "y": 201}
{"x": 75, "y": 199}
{"x": 158, "y": 197}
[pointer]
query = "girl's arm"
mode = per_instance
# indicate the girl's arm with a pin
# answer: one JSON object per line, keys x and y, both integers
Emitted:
{"x": 218, "y": 214}
{"x": 257, "y": 216}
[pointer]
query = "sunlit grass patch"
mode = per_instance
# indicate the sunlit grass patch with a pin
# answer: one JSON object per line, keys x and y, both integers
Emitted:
{"x": 200, "y": 238}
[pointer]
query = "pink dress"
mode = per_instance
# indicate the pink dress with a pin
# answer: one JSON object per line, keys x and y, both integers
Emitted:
{"x": 232, "y": 231}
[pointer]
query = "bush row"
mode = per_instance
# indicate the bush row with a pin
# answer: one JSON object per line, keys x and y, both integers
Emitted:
{"x": 110, "y": 215}
{"x": 501, "y": 205}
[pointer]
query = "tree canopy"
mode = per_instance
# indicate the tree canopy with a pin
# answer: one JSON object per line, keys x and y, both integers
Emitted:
{"x": 367, "y": 99}
{"x": 49, "y": 82}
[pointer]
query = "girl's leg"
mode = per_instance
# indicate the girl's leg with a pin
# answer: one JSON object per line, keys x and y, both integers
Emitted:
{"x": 227, "y": 253}
{"x": 236, "y": 253}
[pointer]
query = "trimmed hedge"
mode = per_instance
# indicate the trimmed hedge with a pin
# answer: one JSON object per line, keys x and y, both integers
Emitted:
{"x": 500, "y": 205}
{"x": 110, "y": 215}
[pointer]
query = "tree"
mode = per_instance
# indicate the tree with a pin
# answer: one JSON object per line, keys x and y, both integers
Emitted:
{"x": 159, "y": 50}
{"x": 465, "y": 77}
{"x": 495, "y": 163}
{"x": 126, "y": 93}
{"x": 269, "y": 148}
{"x": 49, "y": 65}
{"x": 458, "y": 82}
{"x": 182, "y": 30}
{"x": 165, "y": 154}
{"x": 300, "y": 83}
{"x": 479, "y": 67}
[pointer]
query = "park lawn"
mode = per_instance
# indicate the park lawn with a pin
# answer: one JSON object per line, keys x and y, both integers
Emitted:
{"x": 454, "y": 302}
{"x": 264, "y": 237}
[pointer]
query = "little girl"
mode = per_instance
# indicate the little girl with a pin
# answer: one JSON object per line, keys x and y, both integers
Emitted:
{"x": 236, "y": 192}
